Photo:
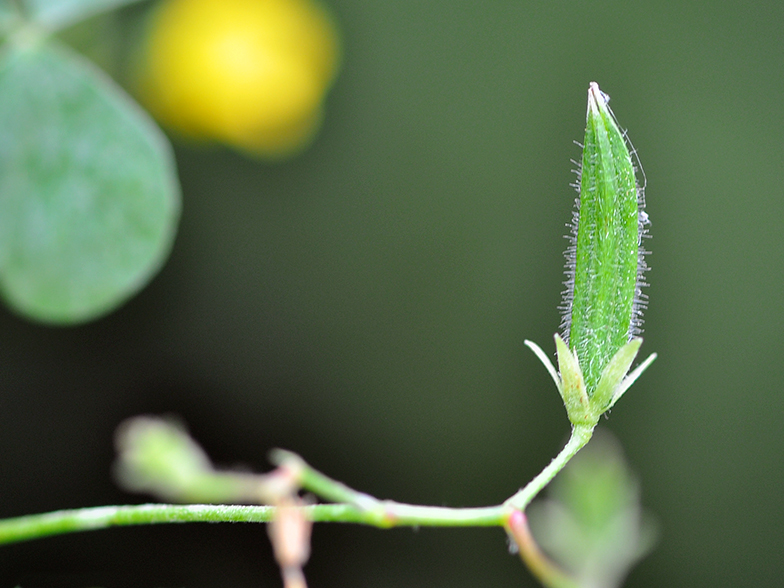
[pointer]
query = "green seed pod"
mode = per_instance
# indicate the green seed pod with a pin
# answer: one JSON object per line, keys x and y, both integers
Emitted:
{"x": 603, "y": 303}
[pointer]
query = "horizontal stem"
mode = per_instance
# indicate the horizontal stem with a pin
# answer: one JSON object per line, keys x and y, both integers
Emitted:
{"x": 352, "y": 506}
{"x": 59, "y": 522}
{"x": 396, "y": 514}
{"x": 87, "y": 519}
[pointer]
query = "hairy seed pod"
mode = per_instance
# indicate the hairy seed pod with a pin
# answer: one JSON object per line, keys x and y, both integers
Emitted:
{"x": 605, "y": 266}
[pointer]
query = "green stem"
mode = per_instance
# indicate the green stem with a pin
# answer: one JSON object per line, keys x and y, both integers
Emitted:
{"x": 355, "y": 507}
{"x": 61, "y": 522}
{"x": 370, "y": 510}
{"x": 322, "y": 485}
{"x": 581, "y": 434}
{"x": 87, "y": 519}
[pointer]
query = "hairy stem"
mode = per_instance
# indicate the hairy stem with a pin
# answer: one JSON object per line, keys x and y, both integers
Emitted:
{"x": 60, "y": 522}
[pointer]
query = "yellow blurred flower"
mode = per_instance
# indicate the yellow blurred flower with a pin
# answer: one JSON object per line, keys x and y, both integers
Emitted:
{"x": 249, "y": 73}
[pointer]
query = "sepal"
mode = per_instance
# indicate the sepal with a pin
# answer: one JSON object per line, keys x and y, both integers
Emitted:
{"x": 631, "y": 379}
{"x": 613, "y": 375}
{"x": 581, "y": 408}
{"x": 573, "y": 392}
{"x": 547, "y": 364}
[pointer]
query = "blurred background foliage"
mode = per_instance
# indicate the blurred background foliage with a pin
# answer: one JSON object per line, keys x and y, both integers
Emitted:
{"x": 365, "y": 303}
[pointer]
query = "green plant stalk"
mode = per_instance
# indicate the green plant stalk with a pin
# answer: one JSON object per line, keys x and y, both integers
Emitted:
{"x": 580, "y": 436}
{"x": 358, "y": 508}
{"x": 15, "y": 530}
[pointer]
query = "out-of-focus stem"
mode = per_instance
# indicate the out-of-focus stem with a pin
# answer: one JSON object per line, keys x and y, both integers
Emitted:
{"x": 539, "y": 564}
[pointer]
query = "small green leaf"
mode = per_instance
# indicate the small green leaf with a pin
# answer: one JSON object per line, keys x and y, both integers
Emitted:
{"x": 89, "y": 198}
{"x": 158, "y": 456}
{"x": 57, "y": 14}
{"x": 7, "y": 11}
{"x": 605, "y": 268}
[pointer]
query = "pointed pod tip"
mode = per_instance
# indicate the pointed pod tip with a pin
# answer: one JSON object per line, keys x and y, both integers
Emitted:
{"x": 596, "y": 98}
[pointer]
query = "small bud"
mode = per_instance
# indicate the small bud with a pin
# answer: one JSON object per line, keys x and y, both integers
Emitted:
{"x": 157, "y": 455}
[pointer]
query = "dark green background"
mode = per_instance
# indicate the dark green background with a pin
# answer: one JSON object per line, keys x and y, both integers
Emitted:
{"x": 366, "y": 304}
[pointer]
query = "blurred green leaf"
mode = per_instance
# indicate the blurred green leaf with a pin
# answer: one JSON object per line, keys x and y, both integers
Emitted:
{"x": 57, "y": 14}
{"x": 6, "y": 9}
{"x": 592, "y": 523}
{"x": 89, "y": 198}
{"x": 9, "y": 17}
